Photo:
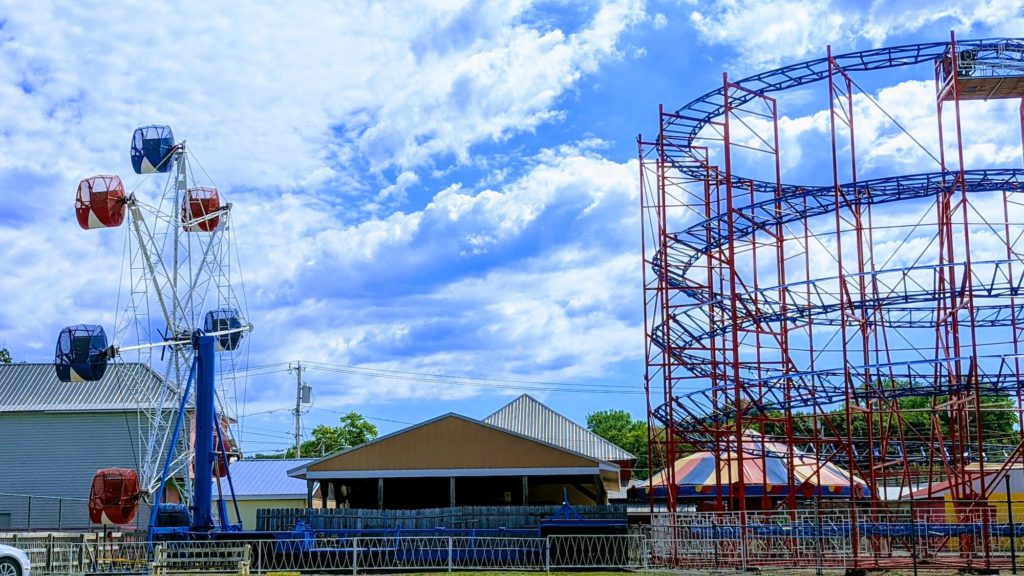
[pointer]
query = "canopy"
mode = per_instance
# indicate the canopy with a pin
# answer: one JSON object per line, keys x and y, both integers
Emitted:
{"x": 768, "y": 474}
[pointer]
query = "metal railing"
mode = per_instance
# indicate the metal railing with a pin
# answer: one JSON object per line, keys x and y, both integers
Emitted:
{"x": 626, "y": 551}
{"x": 52, "y": 556}
{"x": 933, "y": 535}
{"x": 939, "y": 535}
{"x": 67, "y": 553}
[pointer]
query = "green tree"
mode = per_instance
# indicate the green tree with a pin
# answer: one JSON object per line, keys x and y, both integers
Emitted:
{"x": 272, "y": 455}
{"x": 619, "y": 428}
{"x": 354, "y": 430}
{"x": 916, "y": 413}
{"x": 5, "y": 356}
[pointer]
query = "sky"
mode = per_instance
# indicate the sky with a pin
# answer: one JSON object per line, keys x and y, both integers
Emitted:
{"x": 435, "y": 204}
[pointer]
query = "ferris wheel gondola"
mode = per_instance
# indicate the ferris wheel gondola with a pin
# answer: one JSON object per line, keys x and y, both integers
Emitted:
{"x": 81, "y": 353}
{"x": 201, "y": 209}
{"x": 100, "y": 202}
{"x": 181, "y": 274}
{"x": 152, "y": 148}
{"x": 114, "y": 496}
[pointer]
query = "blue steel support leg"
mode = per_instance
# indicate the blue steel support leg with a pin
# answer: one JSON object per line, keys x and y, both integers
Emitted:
{"x": 202, "y": 491}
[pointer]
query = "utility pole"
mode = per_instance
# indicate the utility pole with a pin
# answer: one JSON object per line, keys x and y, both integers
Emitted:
{"x": 298, "y": 408}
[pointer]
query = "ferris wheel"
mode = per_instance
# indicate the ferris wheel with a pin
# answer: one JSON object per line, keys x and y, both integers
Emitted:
{"x": 180, "y": 278}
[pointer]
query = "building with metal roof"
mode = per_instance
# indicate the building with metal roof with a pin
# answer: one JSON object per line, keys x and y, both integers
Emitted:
{"x": 26, "y": 387}
{"x": 264, "y": 484}
{"x": 267, "y": 478}
{"x": 527, "y": 416}
{"x": 56, "y": 435}
{"x": 453, "y": 460}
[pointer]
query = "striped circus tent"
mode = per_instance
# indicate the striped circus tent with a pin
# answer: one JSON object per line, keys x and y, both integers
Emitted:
{"x": 768, "y": 475}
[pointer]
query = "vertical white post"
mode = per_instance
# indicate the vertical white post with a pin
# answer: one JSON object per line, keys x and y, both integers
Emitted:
{"x": 547, "y": 554}
{"x": 355, "y": 555}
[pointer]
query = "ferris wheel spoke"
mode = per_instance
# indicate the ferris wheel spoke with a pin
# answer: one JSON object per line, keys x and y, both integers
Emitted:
{"x": 138, "y": 224}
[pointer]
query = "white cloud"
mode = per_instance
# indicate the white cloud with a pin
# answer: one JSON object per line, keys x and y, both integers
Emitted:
{"x": 885, "y": 148}
{"x": 441, "y": 289}
{"x": 307, "y": 96}
{"x": 886, "y": 19}
{"x": 768, "y": 33}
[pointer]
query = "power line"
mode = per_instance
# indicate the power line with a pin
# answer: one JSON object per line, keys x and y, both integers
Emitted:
{"x": 477, "y": 382}
{"x": 365, "y": 416}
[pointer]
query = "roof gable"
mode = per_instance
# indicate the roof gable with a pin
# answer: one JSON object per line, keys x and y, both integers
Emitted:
{"x": 28, "y": 387}
{"x": 527, "y": 416}
{"x": 451, "y": 442}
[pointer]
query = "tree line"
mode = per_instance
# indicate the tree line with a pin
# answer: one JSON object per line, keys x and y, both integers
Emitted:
{"x": 915, "y": 418}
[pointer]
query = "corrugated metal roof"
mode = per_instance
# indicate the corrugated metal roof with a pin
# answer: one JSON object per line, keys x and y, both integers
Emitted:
{"x": 253, "y": 478}
{"x": 526, "y": 416}
{"x": 28, "y": 387}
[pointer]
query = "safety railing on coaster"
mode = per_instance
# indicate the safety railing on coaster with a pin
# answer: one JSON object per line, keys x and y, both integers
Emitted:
{"x": 351, "y": 555}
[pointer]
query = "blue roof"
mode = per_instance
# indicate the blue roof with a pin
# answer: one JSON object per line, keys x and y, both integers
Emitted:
{"x": 262, "y": 478}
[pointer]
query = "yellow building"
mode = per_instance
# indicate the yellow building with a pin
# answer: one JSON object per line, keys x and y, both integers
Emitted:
{"x": 263, "y": 484}
{"x": 997, "y": 500}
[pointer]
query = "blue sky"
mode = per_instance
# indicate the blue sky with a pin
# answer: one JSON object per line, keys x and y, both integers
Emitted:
{"x": 422, "y": 191}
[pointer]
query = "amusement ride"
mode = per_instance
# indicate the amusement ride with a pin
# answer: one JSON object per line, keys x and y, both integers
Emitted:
{"x": 864, "y": 319}
{"x": 180, "y": 328}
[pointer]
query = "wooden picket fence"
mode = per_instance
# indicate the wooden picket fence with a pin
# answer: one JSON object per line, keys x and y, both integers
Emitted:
{"x": 464, "y": 517}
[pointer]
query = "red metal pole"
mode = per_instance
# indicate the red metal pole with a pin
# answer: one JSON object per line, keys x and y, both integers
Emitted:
{"x": 844, "y": 296}
{"x": 665, "y": 298}
{"x": 730, "y": 263}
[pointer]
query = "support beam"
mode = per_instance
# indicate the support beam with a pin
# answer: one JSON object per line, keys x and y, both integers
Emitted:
{"x": 202, "y": 504}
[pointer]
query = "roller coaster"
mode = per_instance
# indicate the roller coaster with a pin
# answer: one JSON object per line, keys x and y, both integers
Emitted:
{"x": 867, "y": 319}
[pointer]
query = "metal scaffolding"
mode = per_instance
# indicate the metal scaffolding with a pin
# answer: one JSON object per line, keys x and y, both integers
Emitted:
{"x": 827, "y": 318}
